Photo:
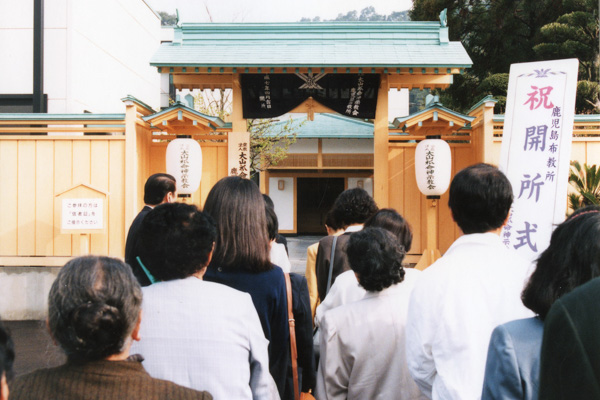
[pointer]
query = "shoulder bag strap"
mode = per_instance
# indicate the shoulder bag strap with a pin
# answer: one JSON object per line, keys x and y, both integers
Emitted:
{"x": 331, "y": 258}
{"x": 292, "y": 323}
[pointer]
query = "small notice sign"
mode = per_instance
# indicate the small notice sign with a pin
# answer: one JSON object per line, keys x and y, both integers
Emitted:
{"x": 83, "y": 214}
{"x": 238, "y": 156}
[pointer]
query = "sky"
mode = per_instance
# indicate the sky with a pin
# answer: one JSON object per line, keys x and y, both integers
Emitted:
{"x": 271, "y": 10}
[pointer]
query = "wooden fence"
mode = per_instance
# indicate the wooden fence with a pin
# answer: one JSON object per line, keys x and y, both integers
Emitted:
{"x": 44, "y": 155}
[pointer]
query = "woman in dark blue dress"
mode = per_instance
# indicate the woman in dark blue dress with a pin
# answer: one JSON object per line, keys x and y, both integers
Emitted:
{"x": 241, "y": 261}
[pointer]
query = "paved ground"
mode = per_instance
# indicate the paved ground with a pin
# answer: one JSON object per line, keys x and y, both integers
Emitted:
{"x": 34, "y": 347}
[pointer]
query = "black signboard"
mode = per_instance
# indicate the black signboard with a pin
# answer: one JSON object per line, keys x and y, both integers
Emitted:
{"x": 272, "y": 95}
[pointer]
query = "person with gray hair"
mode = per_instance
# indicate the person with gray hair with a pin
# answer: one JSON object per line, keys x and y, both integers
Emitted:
{"x": 94, "y": 310}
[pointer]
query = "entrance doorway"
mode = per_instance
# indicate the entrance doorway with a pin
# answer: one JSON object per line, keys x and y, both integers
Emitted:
{"x": 315, "y": 198}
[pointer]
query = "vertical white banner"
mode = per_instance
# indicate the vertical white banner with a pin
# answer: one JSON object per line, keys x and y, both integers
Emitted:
{"x": 238, "y": 155}
{"x": 536, "y": 150}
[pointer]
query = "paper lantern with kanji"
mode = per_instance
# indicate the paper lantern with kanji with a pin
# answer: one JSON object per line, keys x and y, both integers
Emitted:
{"x": 433, "y": 164}
{"x": 184, "y": 162}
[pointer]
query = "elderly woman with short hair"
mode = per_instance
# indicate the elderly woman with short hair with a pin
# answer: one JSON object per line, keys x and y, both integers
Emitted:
{"x": 362, "y": 343}
{"x": 94, "y": 309}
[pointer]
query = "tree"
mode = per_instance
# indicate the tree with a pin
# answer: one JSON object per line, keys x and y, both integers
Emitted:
{"x": 586, "y": 181}
{"x": 366, "y": 14}
{"x": 497, "y": 33}
{"x": 167, "y": 19}
{"x": 270, "y": 142}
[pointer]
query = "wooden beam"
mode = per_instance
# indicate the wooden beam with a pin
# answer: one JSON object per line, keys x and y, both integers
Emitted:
{"x": 60, "y": 129}
{"x": 381, "y": 153}
{"x": 203, "y": 81}
{"x": 309, "y": 105}
{"x": 420, "y": 81}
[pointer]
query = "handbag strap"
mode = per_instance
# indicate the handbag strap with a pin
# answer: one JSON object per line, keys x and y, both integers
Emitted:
{"x": 292, "y": 323}
{"x": 331, "y": 258}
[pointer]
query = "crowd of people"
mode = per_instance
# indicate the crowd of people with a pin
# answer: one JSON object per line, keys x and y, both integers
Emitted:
{"x": 205, "y": 306}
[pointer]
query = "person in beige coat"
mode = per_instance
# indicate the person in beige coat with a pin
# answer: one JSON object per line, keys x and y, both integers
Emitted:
{"x": 362, "y": 343}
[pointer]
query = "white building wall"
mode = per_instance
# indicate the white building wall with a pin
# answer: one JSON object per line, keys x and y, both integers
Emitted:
{"x": 95, "y": 53}
{"x": 284, "y": 202}
{"x": 363, "y": 183}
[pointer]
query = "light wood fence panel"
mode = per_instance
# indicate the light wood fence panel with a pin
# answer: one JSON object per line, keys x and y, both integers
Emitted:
{"x": 34, "y": 170}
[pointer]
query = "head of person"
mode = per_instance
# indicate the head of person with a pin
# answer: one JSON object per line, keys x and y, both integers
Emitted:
{"x": 272, "y": 222}
{"x": 238, "y": 209}
{"x": 390, "y": 220}
{"x": 176, "y": 241}
{"x": 480, "y": 198}
{"x": 7, "y": 358}
{"x": 94, "y": 308}
{"x": 571, "y": 259}
{"x": 331, "y": 224}
{"x": 160, "y": 188}
{"x": 376, "y": 258}
{"x": 353, "y": 206}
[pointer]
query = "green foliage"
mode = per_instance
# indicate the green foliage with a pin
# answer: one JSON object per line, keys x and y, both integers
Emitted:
{"x": 588, "y": 97}
{"x": 572, "y": 35}
{"x": 366, "y": 14}
{"x": 167, "y": 19}
{"x": 586, "y": 181}
{"x": 270, "y": 142}
{"x": 498, "y": 33}
{"x": 497, "y": 86}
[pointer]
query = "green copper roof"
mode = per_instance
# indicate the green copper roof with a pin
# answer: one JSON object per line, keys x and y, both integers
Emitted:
{"x": 324, "y": 44}
{"x": 329, "y": 126}
{"x": 433, "y": 106}
{"x": 180, "y": 106}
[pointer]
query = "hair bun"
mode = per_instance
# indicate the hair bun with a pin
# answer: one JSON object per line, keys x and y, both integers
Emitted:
{"x": 95, "y": 325}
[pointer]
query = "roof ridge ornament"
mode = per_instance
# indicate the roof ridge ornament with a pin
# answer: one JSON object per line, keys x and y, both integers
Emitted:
{"x": 310, "y": 81}
{"x": 444, "y": 18}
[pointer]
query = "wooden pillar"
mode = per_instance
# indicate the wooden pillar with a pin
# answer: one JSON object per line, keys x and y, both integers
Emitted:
{"x": 131, "y": 164}
{"x": 488, "y": 131}
{"x": 431, "y": 252}
{"x": 237, "y": 113}
{"x": 380, "y": 150}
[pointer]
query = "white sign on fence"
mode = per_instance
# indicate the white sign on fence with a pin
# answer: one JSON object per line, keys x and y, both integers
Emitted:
{"x": 82, "y": 214}
{"x": 536, "y": 150}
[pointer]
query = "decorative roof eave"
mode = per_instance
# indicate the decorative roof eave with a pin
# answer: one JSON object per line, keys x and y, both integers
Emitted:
{"x": 145, "y": 108}
{"x": 180, "y": 112}
{"x": 487, "y": 100}
{"x": 434, "y": 112}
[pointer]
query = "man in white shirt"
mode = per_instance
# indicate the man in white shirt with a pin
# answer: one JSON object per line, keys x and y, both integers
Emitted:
{"x": 463, "y": 296}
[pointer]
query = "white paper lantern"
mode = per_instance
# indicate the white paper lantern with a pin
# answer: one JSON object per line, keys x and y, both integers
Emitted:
{"x": 184, "y": 162}
{"x": 433, "y": 164}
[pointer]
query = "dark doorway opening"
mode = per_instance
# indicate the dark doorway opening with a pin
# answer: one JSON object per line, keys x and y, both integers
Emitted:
{"x": 315, "y": 198}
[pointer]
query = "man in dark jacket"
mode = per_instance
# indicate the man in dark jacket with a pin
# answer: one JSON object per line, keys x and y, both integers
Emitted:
{"x": 351, "y": 209}
{"x": 159, "y": 188}
{"x": 570, "y": 363}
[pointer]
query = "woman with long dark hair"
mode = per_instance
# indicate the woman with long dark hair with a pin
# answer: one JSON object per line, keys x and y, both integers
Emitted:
{"x": 241, "y": 261}
{"x": 572, "y": 259}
